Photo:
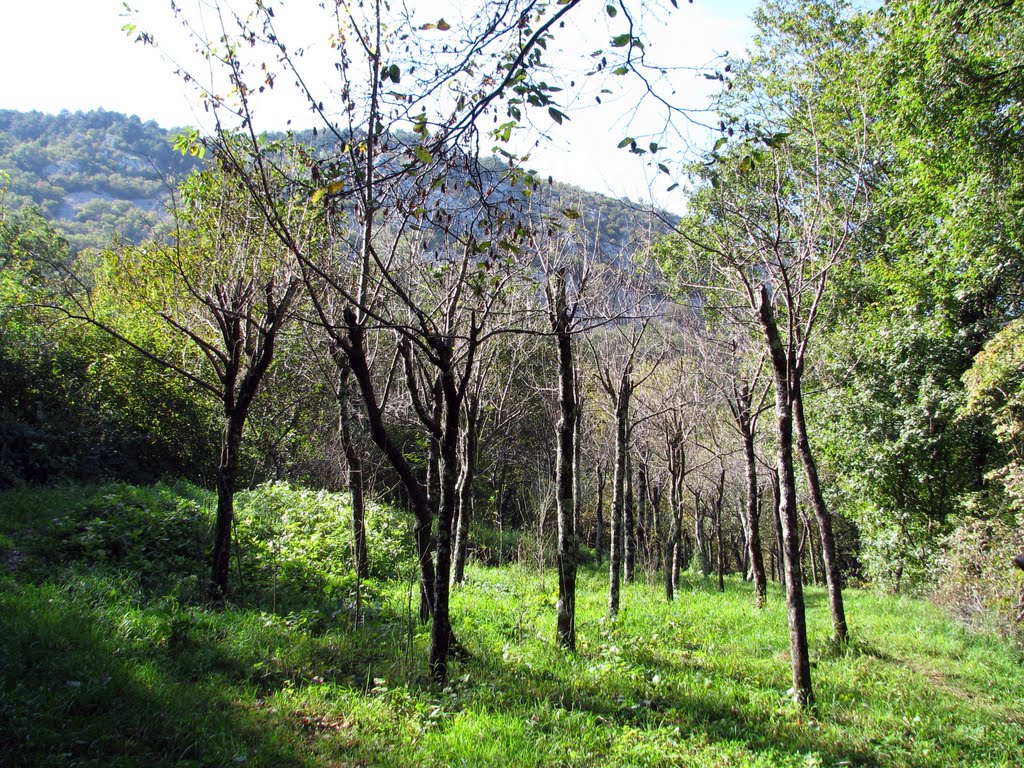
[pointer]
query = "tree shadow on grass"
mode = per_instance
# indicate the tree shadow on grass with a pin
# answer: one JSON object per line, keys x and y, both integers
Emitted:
{"x": 74, "y": 693}
{"x": 714, "y": 714}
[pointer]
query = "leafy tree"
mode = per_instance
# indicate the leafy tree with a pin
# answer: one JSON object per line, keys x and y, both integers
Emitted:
{"x": 76, "y": 405}
{"x": 209, "y": 306}
{"x": 945, "y": 278}
{"x": 775, "y": 217}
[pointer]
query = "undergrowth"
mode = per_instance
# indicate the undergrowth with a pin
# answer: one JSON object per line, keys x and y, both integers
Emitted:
{"x": 108, "y": 656}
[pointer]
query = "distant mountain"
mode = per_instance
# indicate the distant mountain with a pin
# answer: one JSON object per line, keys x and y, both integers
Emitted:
{"x": 100, "y": 175}
{"x": 93, "y": 174}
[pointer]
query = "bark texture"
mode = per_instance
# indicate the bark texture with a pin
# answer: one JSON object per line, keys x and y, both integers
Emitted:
{"x": 833, "y": 576}
{"x": 782, "y": 366}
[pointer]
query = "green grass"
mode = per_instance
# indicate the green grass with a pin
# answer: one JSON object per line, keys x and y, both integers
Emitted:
{"x": 104, "y": 664}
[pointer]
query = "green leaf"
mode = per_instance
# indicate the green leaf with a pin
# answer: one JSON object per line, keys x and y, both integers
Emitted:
{"x": 423, "y": 154}
{"x": 571, "y": 213}
{"x": 504, "y": 131}
{"x": 621, "y": 41}
{"x": 663, "y": 168}
{"x": 720, "y": 143}
{"x": 612, "y": 11}
{"x": 626, "y": 142}
{"x": 189, "y": 143}
{"x": 556, "y": 115}
{"x": 620, "y": 70}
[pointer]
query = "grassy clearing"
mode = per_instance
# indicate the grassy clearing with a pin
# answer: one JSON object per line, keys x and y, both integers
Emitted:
{"x": 107, "y": 658}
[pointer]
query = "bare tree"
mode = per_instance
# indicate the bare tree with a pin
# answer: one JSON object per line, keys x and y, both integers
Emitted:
{"x": 620, "y": 366}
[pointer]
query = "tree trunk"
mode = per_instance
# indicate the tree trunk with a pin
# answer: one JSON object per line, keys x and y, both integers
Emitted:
{"x": 672, "y": 544}
{"x": 227, "y": 471}
{"x": 698, "y": 533}
{"x": 568, "y": 418}
{"x": 807, "y": 545}
{"x": 776, "y": 504}
{"x": 599, "y": 522}
{"x": 833, "y": 576}
{"x": 743, "y": 555}
{"x": 752, "y": 527}
{"x": 355, "y": 471}
{"x": 782, "y": 366}
{"x": 676, "y": 450}
{"x": 719, "y": 544}
{"x": 618, "y": 492}
{"x": 629, "y": 525}
{"x": 671, "y": 558}
{"x": 642, "y": 524}
{"x": 441, "y": 632}
{"x": 684, "y": 554}
{"x": 354, "y": 346}
{"x": 656, "y": 525}
{"x": 470, "y": 440}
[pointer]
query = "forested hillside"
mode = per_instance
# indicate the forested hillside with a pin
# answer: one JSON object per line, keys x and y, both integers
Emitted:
{"x": 97, "y": 175}
{"x": 802, "y": 398}
{"x": 93, "y": 175}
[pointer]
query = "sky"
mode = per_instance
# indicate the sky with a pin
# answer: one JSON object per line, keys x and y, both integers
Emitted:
{"x": 74, "y": 54}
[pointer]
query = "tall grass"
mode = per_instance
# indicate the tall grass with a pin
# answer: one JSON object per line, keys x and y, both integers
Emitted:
{"x": 108, "y": 657}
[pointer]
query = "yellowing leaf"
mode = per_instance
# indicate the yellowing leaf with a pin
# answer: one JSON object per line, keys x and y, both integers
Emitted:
{"x": 331, "y": 189}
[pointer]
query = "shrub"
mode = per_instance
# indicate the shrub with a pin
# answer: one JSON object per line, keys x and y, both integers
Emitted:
{"x": 298, "y": 542}
{"x": 160, "y": 533}
{"x": 978, "y": 580}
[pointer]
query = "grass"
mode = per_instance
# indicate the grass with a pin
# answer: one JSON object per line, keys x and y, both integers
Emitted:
{"x": 104, "y": 664}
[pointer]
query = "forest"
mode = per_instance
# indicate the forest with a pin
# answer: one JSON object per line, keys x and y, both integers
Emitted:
{"x": 370, "y": 444}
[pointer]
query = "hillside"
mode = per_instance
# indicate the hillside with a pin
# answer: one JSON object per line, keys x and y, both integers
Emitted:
{"x": 98, "y": 174}
{"x": 94, "y": 174}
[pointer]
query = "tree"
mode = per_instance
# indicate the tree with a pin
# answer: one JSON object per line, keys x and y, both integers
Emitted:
{"x": 745, "y": 413}
{"x": 619, "y": 361}
{"x": 945, "y": 277}
{"x": 561, "y": 316}
{"x": 398, "y": 182}
{"x": 221, "y": 289}
{"x": 800, "y": 184}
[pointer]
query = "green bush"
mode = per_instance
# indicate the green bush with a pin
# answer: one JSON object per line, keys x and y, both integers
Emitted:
{"x": 159, "y": 533}
{"x": 978, "y": 581}
{"x": 293, "y": 546}
{"x": 298, "y": 542}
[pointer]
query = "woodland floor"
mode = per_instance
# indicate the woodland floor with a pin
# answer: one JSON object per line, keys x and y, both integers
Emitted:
{"x": 102, "y": 665}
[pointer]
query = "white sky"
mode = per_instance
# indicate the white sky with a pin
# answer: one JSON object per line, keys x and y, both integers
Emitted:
{"x": 73, "y": 54}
